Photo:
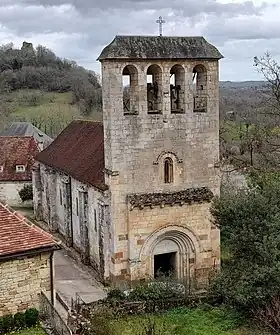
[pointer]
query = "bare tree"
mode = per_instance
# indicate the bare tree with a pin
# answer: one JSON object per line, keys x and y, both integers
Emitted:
{"x": 252, "y": 140}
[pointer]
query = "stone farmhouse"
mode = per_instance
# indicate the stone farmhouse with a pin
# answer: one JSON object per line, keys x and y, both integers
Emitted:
{"x": 26, "y": 263}
{"x": 132, "y": 195}
{"x": 16, "y": 161}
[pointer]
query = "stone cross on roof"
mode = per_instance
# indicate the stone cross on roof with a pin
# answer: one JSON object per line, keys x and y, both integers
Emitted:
{"x": 160, "y": 21}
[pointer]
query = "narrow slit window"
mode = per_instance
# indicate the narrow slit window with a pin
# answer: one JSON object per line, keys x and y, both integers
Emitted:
{"x": 168, "y": 170}
{"x": 95, "y": 220}
{"x": 60, "y": 196}
{"x": 77, "y": 206}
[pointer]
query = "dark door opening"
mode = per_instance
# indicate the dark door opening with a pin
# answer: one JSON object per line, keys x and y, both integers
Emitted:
{"x": 164, "y": 265}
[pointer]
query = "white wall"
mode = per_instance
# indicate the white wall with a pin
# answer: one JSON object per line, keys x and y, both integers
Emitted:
{"x": 9, "y": 193}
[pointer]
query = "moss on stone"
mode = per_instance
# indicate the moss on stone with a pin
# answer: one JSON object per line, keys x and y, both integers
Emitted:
{"x": 159, "y": 47}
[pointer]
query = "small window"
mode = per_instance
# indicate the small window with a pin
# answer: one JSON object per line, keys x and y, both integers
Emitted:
{"x": 77, "y": 206}
{"x": 1, "y": 168}
{"x": 60, "y": 196}
{"x": 168, "y": 170}
{"x": 20, "y": 168}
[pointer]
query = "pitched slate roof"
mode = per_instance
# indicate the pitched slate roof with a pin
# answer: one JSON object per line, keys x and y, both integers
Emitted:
{"x": 14, "y": 151}
{"x": 159, "y": 47}
{"x": 26, "y": 129}
{"x": 78, "y": 151}
{"x": 17, "y": 236}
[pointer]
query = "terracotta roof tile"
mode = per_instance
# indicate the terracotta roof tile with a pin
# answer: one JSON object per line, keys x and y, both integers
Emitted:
{"x": 78, "y": 151}
{"x": 18, "y": 236}
{"x": 17, "y": 150}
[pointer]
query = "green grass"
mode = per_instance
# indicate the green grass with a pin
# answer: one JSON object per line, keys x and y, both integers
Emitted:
{"x": 188, "y": 322}
{"x": 32, "y": 331}
{"x": 51, "y": 112}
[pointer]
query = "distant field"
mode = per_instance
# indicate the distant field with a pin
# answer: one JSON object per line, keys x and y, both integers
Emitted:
{"x": 51, "y": 112}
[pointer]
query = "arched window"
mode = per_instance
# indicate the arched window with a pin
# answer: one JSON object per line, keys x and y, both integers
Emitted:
{"x": 200, "y": 88}
{"x": 177, "y": 86}
{"x": 130, "y": 90}
{"x": 168, "y": 170}
{"x": 154, "y": 89}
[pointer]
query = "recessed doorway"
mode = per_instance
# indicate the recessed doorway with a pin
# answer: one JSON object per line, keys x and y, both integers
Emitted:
{"x": 165, "y": 264}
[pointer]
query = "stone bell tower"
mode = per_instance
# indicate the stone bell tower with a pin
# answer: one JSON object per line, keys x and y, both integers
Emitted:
{"x": 161, "y": 129}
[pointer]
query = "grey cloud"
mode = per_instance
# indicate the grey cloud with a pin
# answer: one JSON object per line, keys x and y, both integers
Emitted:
{"x": 80, "y": 29}
{"x": 187, "y": 7}
{"x": 242, "y": 29}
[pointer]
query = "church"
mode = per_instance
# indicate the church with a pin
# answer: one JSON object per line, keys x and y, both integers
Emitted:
{"x": 132, "y": 193}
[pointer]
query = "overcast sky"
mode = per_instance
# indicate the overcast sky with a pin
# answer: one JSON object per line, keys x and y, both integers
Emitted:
{"x": 79, "y": 29}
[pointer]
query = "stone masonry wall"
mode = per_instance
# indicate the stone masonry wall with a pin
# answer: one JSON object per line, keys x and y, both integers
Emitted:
{"x": 21, "y": 281}
{"x": 58, "y": 196}
{"x": 136, "y": 146}
{"x": 194, "y": 219}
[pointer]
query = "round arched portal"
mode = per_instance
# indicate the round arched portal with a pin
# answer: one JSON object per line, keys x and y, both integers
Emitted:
{"x": 172, "y": 249}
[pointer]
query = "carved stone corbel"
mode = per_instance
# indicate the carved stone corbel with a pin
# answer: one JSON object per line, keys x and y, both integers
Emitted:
{"x": 82, "y": 188}
{"x": 65, "y": 179}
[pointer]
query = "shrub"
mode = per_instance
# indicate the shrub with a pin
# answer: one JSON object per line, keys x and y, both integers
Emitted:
{"x": 6, "y": 324}
{"x": 26, "y": 193}
{"x": 31, "y": 317}
{"x": 269, "y": 314}
{"x": 116, "y": 294}
{"x": 100, "y": 323}
{"x": 250, "y": 226}
{"x": 19, "y": 320}
{"x": 157, "y": 290}
{"x": 1, "y": 326}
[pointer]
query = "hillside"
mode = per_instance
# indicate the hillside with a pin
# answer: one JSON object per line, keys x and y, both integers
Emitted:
{"x": 244, "y": 98}
{"x": 38, "y": 86}
{"x": 49, "y": 111}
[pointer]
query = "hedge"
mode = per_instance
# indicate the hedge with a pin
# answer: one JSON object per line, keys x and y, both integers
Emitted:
{"x": 20, "y": 320}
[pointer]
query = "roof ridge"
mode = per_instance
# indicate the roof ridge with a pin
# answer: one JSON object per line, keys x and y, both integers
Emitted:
{"x": 164, "y": 36}
{"x": 17, "y": 136}
{"x": 87, "y": 120}
{"x": 23, "y": 219}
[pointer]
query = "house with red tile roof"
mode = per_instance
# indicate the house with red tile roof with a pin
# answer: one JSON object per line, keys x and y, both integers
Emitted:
{"x": 16, "y": 161}
{"x": 26, "y": 262}
{"x": 26, "y": 129}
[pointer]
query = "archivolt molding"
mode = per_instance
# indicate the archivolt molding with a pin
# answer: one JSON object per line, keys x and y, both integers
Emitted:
{"x": 167, "y": 153}
{"x": 183, "y": 236}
